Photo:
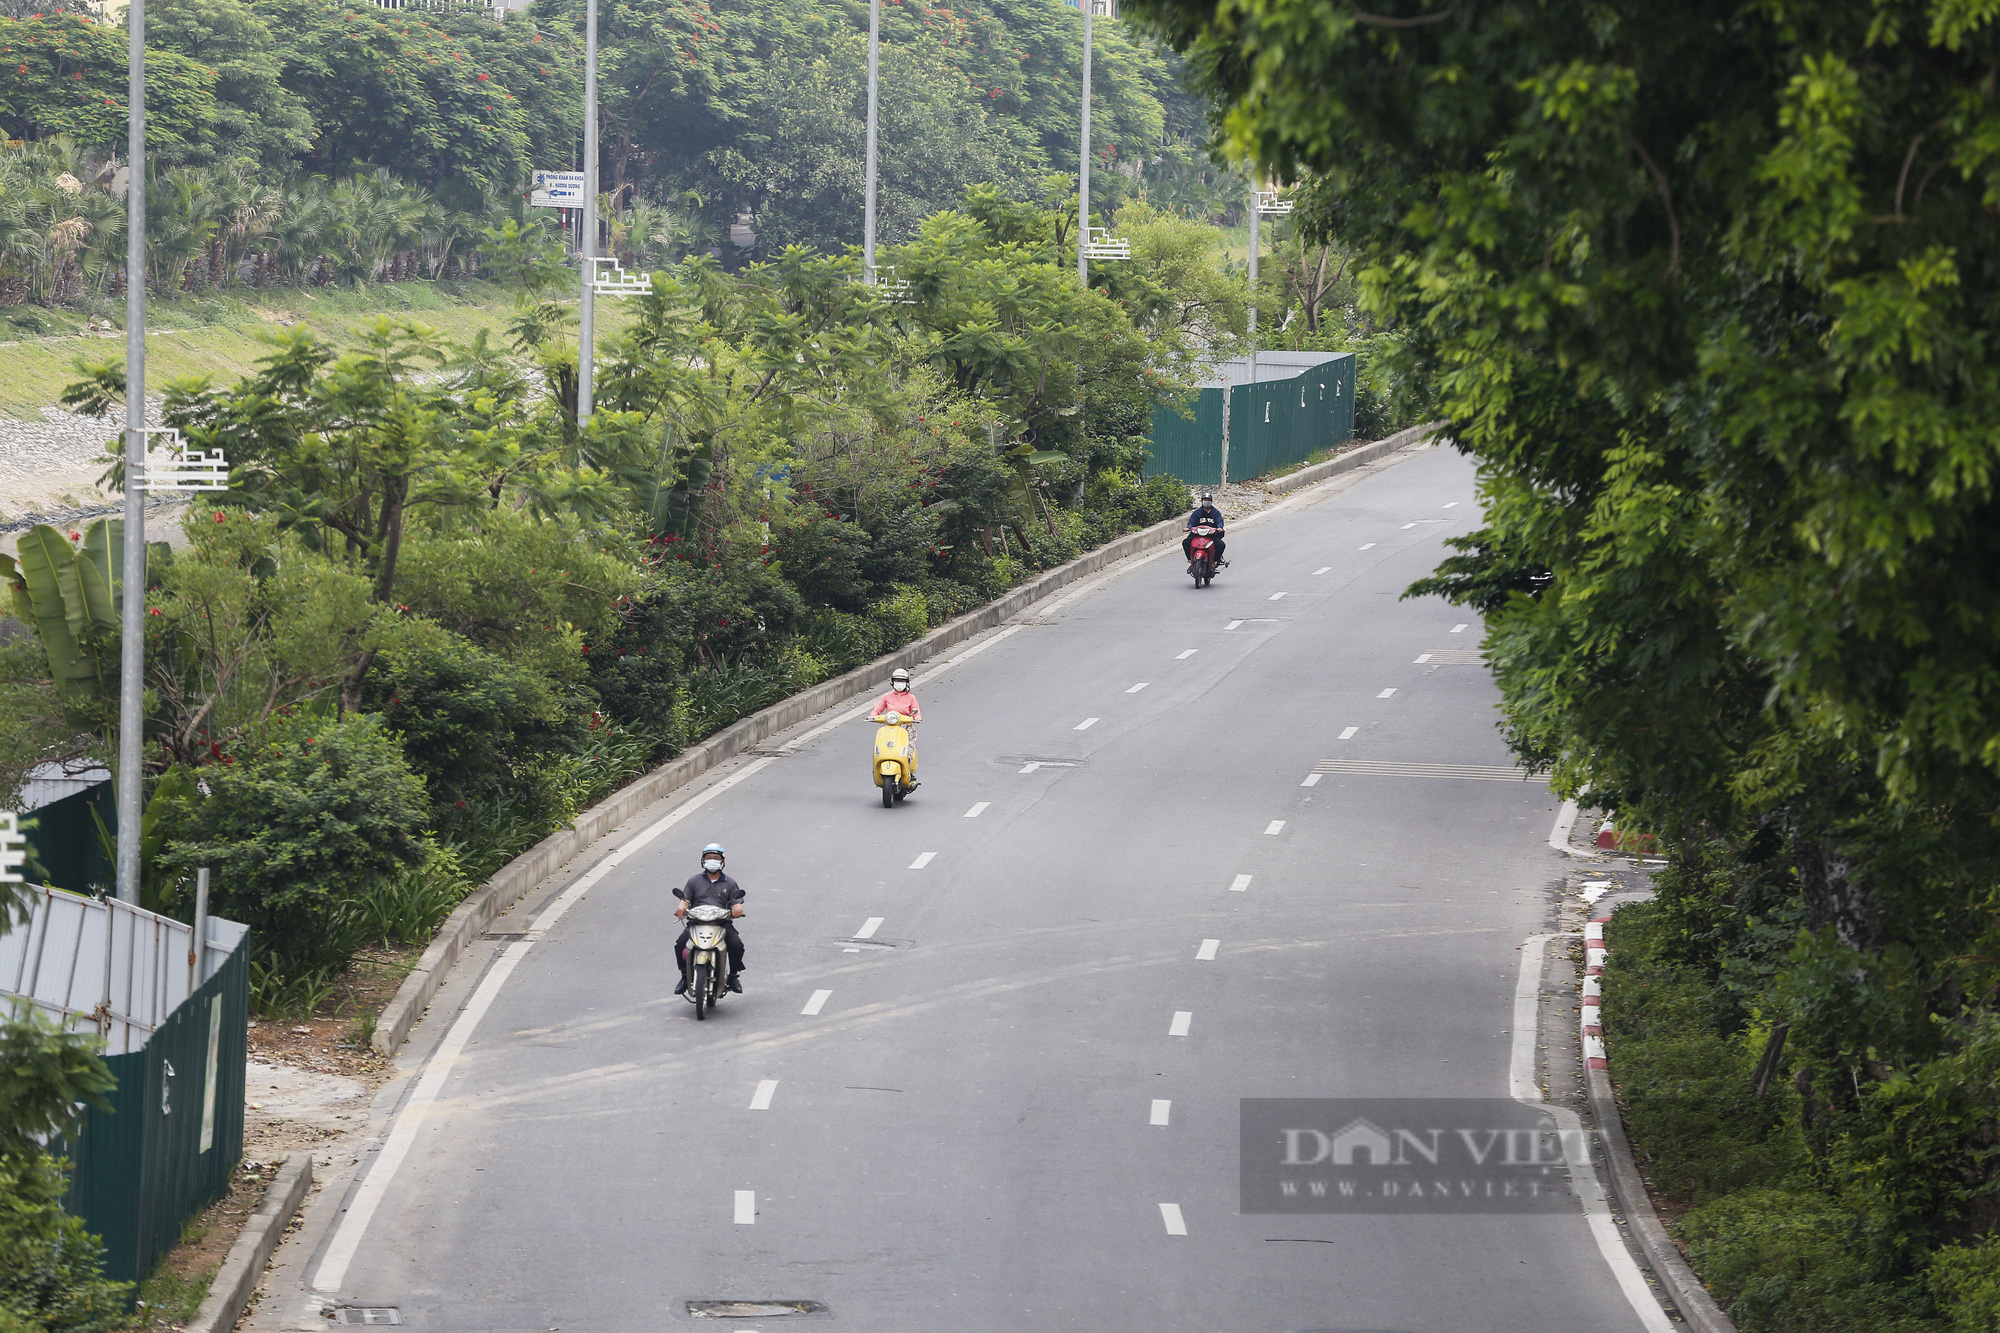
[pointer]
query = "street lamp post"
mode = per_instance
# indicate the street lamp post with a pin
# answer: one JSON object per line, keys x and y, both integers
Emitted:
{"x": 868, "y": 208}
{"x": 132, "y": 617}
{"x": 586, "y": 339}
{"x": 1083, "y": 159}
{"x": 1256, "y": 208}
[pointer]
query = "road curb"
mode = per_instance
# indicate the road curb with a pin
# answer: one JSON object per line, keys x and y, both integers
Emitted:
{"x": 535, "y": 864}
{"x": 1662, "y": 1255}
{"x": 236, "y": 1281}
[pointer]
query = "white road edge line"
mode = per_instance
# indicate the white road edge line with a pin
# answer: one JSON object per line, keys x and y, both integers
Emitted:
{"x": 1185, "y": 653}
{"x": 766, "y": 1088}
{"x": 977, "y": 810}
{"x": 922, "y": 861}
{"x": 1140, "y": 686}
{"x": 868, "y": 928}
{"x": 1085, "y": 725}
{"x": 1312, "y": 780}
{"x": 1206, "y": 953}
{"x": 1273, "y": 828}
{"x": 1161, "y": 1109}
{"x": 746, "y": 1208}
{"x": 340, "y": 1251}
{"x": 816, "y": 1003}
{"x": 1565, "y": 821}
{"x": 1239, "y": 884}
{"x": 1349, "y": 733}
{"x": 1170, "y": 1213}
{"x": 1522, "y": 1087}
{"x": 1179, "y": 1027}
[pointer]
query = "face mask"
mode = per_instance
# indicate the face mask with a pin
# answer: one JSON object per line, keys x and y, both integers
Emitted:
{"x": 711, "y": 865}
{"x": 900, "y": 686}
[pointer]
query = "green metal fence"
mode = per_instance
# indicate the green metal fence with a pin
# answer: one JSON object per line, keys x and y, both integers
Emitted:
{"x": 165, "y": 1149}
{"x": 1272, "y": 424}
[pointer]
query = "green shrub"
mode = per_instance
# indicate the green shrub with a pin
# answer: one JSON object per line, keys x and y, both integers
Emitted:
{"x": 465, "y": 714}
{"x": 1965, "y": 1282}
{"x": 904, "y": 616}
{"x": 407, "y": 907}
{"x": 50, "y": 1267}
{"x": 840, "y": 639}
{"x": 299, "y": 822}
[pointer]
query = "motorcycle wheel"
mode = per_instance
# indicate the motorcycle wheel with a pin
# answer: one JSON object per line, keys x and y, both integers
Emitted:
{"x": 700, "y": 989}
{"x": 888, "y": 792}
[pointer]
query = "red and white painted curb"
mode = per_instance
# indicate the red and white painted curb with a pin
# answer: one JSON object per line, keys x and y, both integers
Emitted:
{"x": 1594, "y": 954}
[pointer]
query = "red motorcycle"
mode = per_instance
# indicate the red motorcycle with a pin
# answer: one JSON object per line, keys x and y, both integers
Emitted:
{"x": 1202, "y": 559}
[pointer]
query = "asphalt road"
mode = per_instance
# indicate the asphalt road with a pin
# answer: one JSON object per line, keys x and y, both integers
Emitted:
{"x": 963, "y": 1136}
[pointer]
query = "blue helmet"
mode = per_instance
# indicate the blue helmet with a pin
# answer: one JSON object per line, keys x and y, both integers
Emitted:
{"x": 715, "y": 847}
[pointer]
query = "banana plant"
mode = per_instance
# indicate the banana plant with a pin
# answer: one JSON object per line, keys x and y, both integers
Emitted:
{"x": 1027, "y": 491}
{"x": 73, "y": 596}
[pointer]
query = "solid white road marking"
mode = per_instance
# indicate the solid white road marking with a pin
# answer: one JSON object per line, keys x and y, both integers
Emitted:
{"x": 332, "y": 1271}
{"x": 765, "y": 1088}
{"x": 1239, "y": 884}
{"x": 1140, "y": 686}
{"x": 1232, "y": 624}
{"x": 1386, "y": 693}
{"x": 1179, "y": 1027}
{"x": 1369, "y": 547}
{"x": 1206, "y": 953}
{"x": 922, "y": 861}
{"x": 817, "y": 1002}
{"x": 1322, "y": 569}
{"x": 868, "y": 928}
{"x": 746, "y": 1208}
{"x": 977, "y": 810}
{"x": 1521, "y": 1085}
{"x": 1312, "y": 780}
{"x": 1275, "y": 596}
{"x": 1459, "y": 629}
{"x": 1274, "y": 826}
{"x": 1170, "y": 1213}
{"x": 1423, "y": 657}
{"x": 1029, "y": 767}
{"x": 1160, "y": 1109}
{"x": 1185, "y": 653}
{"x": 1349, "y": 733}
{"x": 1085, "y": 725}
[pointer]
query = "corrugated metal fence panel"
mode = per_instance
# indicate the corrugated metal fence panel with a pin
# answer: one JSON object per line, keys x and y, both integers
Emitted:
{"x": 175, "y": 1132}
{"x": 60, "y": 959}
{"x": 1276, "y": 423}
{"x": 1189, "y": 449}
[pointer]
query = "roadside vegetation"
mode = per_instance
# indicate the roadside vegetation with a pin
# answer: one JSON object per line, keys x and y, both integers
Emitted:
{"x": 1706, "y": 291}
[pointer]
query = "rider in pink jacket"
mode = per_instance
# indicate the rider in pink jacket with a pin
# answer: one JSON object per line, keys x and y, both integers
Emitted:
{"x": 898, "y": 699}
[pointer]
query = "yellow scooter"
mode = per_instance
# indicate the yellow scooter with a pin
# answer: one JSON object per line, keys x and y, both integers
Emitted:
{"x": 895, "y": 769}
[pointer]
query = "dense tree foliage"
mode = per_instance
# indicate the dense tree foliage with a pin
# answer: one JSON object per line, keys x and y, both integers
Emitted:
{"x": 1708, "y": 292}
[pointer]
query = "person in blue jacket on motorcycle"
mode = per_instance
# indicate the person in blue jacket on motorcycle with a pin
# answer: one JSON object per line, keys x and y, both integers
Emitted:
{"x": 1205, "y": 515}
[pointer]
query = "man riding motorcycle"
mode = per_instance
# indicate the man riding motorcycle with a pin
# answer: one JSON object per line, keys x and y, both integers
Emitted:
{"x": 1205, "y": 515}
{"x": 711, "y": 887}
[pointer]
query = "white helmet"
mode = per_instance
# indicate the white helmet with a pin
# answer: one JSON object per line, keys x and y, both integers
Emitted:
{"x": 900, "y": 678}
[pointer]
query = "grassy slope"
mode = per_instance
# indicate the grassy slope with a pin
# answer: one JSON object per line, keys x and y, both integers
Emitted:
{"x": 219, "y": 333}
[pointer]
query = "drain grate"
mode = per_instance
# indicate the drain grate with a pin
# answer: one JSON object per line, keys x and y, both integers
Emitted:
{"x": 505, "y": 936}
{"x": 753, "y": 1309}
{"x": 381, "y": 1316}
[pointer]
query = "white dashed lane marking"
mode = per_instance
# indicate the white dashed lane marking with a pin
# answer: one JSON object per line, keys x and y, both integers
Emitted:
{"x": 922, "y": 861}
{"x": 1179, "y": 1027}
{"x": 817, "y": 1002}
{"x": 1206, "y": 953}
{"x": 868, "y": 928}
{"x": 1459, "y": 629}
{"x": 1170, "y": 1213}
{"x": 1386, "y": 693}
{"x": 1423, "y": 657}
{"x": 1312, "y": 780}
{"x": 1232, "y": 624}
{"x": 1276, "y": 595}
{"x": 1452, "y": 505}
{"x": 762, "y": 1100}
{"x": 1322, "y": 569}
{"x": 1185, "y": 653}
{"x": 746, "y": 1207}
{"x": 977, "y": 810}
{"x": 1275, "y": 826}
{"x": 1140, "y": 686}
{"x": 1240, "y": 884}
{"x": 1369, "y": 547}
{"x": 1349, "y": 733}
{"x": 1160, "y": 1110}
{"x": 1085, "y": 725}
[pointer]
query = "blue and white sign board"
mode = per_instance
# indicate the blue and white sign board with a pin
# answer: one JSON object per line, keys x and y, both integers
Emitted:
{"x": 557, "y": 189}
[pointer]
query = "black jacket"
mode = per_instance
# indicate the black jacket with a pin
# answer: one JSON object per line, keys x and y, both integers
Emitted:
{"x": 1205, "y": 514}
{"x": 698, "y": 891}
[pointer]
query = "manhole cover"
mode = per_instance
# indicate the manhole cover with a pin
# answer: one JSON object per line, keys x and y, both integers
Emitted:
{"x": 752, "y": 1309}
{"x": 378, "y": 1315}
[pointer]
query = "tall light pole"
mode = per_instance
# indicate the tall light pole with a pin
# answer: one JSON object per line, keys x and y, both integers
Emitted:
{"x": 868, "y": 190}
{"x": 1083, "y": 159}
{"x": 132, "y": 617}
{"x": 1256, "y": 207}
{"x": 586, "y": 339}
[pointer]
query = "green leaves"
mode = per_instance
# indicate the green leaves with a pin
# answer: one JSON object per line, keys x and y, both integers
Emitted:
{"x": 72, "y": 597}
